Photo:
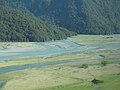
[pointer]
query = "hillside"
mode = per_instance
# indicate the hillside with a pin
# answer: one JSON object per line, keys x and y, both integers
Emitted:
{"x": 82, "y": 16}
{"x": 16, "y": 25}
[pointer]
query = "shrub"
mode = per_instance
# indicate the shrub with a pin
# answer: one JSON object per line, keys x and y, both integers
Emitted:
{"x": 84, "y": 66}
{"x": 104, "y": 63}
{"x": 95, "y": 81}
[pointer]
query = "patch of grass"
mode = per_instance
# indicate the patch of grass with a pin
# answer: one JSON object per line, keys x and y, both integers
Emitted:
{"x": 98, "y": 42}
{"x": 111, "y": 82}
{"x": 57, "y": 76}
{"x": 89, "y": 36}
{"x": 23, "y": 44}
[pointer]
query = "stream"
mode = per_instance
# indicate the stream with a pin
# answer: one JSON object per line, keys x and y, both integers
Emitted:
{"x": 47, "y": 49}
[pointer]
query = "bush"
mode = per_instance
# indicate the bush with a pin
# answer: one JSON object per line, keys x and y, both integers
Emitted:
{"x": 104, "y": 63}
{"x": 95, "y": 81}
{"x": 84, "y": 66}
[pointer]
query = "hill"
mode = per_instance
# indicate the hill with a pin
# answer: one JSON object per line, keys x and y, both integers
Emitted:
{"x": 82, "y": 16}
{"x": 16, "y": 25}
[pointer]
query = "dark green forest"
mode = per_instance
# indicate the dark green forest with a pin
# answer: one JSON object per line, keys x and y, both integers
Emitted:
{"x": 20, "y": 26}
{"x": 43, "y": 20}
{"x": 81, "y": 16}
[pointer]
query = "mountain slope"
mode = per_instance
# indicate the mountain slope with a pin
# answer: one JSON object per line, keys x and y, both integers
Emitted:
{"x": 82, "y": 16}
{"x": 85, "y": 16}
{"x": 16, "y": 25}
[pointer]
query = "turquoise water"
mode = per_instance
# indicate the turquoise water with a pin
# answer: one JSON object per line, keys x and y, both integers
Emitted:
{"x": 52, "y": 48}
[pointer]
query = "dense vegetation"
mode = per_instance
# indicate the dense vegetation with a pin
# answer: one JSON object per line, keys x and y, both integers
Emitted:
{"x": 16, "y": 25}
{"x": 82, "y": 16}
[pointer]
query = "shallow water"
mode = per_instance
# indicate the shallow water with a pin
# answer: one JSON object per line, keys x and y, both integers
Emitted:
{"x": 2, "y": 84}
{"x": 52, "y": 48}
{"x": 47, "y": 49}
{"x": 22, "y": 67}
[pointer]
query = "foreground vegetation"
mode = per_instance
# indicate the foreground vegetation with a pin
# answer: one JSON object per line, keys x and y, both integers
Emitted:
{"x": 63, "y": 77}
{"x": 111, "y": 82}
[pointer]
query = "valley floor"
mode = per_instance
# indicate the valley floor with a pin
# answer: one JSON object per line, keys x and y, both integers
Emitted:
{"x": 70, "y": 64}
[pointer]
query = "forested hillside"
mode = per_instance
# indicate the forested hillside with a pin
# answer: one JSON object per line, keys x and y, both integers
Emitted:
{"x": 82, "y": 16}
{"x": 16, "y": 25}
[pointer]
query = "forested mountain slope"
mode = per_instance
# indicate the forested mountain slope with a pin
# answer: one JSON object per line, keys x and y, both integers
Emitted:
{"x": 16, "y": 25}
{"x": 82, "y": 16}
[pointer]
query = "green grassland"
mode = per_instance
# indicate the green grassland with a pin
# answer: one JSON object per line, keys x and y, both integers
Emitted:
{"x": 92, "y": 39}
{"x": 111, "y": 83}
{"x": 63, "y": 77}
{"x": 89, "y": 36}
{"x": 19, "y": 44}
{"x": 96, "y": 42}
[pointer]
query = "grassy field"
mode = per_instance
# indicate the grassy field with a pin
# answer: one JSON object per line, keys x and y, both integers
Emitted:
{"x": 19, "y": 44}
{"x": 67, "y": 76}
{"x": 90, "y": 36}
{"x": 62, "y": 77}
{"x": 111, "y": 82}
{"x": 96, "y": 42}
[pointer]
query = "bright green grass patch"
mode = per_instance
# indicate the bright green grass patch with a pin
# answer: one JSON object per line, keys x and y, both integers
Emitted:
{"x": 111, "y": 82}
{"x": 18, "y": 44}
{"x": 72, "y": 87}
{"x": 89, "y": 36}
{"x": 24, "y": 44}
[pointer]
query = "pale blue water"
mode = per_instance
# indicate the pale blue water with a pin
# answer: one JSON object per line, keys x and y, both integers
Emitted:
{"x": 22, "y": 67}
{"x": 16, "y": 68}
{"x": 2, "y": 84}
{"x": 53, "y": 48}
{"x": 50, "y": 50}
